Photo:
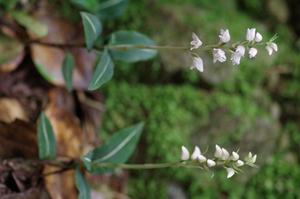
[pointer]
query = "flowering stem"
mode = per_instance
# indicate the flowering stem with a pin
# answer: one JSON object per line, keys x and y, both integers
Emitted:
{"x": 146, "y": 166}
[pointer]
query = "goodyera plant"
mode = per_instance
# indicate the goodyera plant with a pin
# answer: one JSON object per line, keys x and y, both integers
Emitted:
{"x": 236, "y": 51}
{"x": 222, "y": 158}
{"x": 130, "y": 46}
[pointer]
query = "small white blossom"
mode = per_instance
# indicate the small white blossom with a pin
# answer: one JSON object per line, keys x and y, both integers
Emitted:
{"x": 237, "y": 55}
{"x": 258, "y": 37}
{"x": 198, "y": 64}
{"x": 250, "y": 36}
{"x": 225, "y": 154}
{"x": 251, "y": 158}
{"x": 252, "y": 52}
{"x": 219, "y": 55}
{"x": 218, "y": 152}
{"x": 239, "y": 163}
{"x": 271, "y": 47}
{"x": 230, "y": 172}
{"x": 235, "y": 156}
{"x": 196, "y": 153}
{"x": 211, "y": 163}
{"x": 224, "y": 36}
{"x": 201, "y": 158}
{"x": 185, "y": 154}
{"x": 196, "y": 42}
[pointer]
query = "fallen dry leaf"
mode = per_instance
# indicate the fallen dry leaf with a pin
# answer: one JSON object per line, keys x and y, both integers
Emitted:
{"x": 69, "y": 139}
{"x": 10, "y": 110}
{"x": 48, "y": 60}
{"x": 18, "y": 139}
{"x": 11, "y": 53}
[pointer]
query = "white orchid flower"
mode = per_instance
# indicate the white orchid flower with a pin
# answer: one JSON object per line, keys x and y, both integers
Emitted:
{"x": 218, "y": 55}
{"x": 218, "y": 152}
{"x": 224, "y": 36}
{"x": 250, "y": 36}
{"x": 211, "y": 163}
{"x": 225, "y": 154}
{"x": 230, "y": 172}
{"x": 196, "y": 153}
{"x": 196, "y": 42}
{"x": 235, "y": 156}
{"x": 258, "y": 37}
{"x": 252, "y": 52}
{"x": 185, "y": 154}
{"x": 237, "y": 55}
{"x": 271, "y": 46}
{"x": 198, "y": 64}
{"x": 239, "y": 163}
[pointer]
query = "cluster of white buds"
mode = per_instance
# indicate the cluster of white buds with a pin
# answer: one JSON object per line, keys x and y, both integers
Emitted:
{"x": 237, "y": 50}
{"x": 231, "y": 162}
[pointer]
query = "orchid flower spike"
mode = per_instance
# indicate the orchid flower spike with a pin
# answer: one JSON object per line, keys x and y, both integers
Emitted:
{"x": 271, "y": 46}
{"x": 224, "y": 36}
{"x": 196, "y": 42}
{"x": 185, "y": 154}
{"x": 230, "y": 172}
{"x": 197, "y": 63}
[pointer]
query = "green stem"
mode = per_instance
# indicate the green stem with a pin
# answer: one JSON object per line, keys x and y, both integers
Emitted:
{"x": 146, "y": 166}
{"x": 151, "y": 47}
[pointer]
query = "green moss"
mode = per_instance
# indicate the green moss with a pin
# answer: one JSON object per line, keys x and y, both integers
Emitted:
{"x": 173, "y": 116}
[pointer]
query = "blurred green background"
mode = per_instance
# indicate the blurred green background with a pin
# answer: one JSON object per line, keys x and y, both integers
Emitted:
{"x": 253, "y": 107}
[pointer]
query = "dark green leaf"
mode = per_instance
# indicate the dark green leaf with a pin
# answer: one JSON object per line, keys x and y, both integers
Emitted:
{"x": 67, "y": 70}
{"x": 82, "y": 186}
{"x": 46, "y": 139}
{"x": 105, "y": 9}
{"x": 131, "y": 38}
{"x": 117, "y": 149}
{"x": 103, "y": 72}
{"x": 92, "y": 28}
{"x": 34, "y": 26}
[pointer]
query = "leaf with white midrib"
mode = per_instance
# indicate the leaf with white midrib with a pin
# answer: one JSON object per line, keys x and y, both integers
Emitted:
{"x": 103, "y": 71}
{"x": 82, "y": 185}
{"x": 116, "y": 150}
{"x": 46, "y": 138}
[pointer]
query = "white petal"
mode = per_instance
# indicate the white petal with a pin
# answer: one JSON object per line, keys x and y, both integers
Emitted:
{"x": 196, "y": 42}
{"x": 218, "y": 152}
{"x": 250, "y": 34}
{"x": 198, "y": 64}
{"x": 269, "y": 49}
{"x": 274, "y": 46}
{"x": 196, "y": 153}
{"x": 185, "y": 154}
{"x": 254, "y": 159}
{"x": 230, "y": 172}
{"x": 235, "y": 156}
{"x": 258, "y": 37}
{"x": 252, "y": 52}
{"x": 235, "y": 58}
{"x": 211, "y": 163}
{"x": 240, "y": 50}
{"x": 225, "y": 154}
{"x": 224, "y": 36}
{"x": 239, "y": 163}
{"x": 201, "y": 158}
{"x": 218, "y": 55}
